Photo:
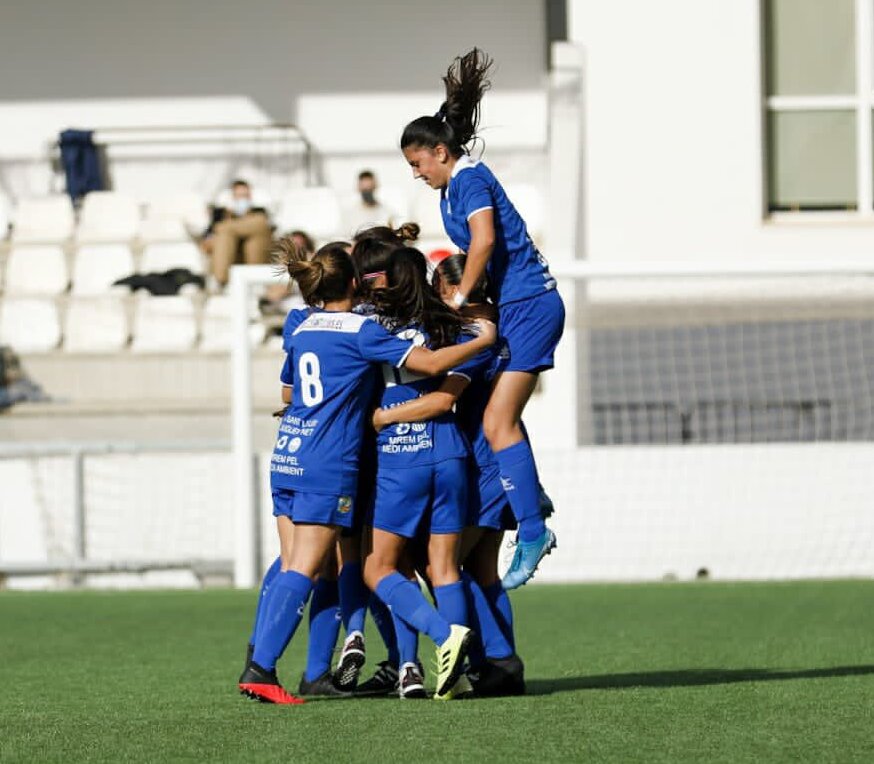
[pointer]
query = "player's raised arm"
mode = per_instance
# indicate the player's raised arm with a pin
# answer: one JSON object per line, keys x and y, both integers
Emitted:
{"x": 425, "y": 407}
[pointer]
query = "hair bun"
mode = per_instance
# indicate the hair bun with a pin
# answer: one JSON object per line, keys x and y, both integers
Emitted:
{"x": 408, "y": 231}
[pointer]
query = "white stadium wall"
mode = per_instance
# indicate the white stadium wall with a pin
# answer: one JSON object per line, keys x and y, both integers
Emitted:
{"x": 673, "y": 137}
{"x": 96, "y": 65}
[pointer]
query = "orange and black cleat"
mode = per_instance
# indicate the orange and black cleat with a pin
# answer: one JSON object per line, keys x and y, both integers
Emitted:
{"x": 263, "y": 685}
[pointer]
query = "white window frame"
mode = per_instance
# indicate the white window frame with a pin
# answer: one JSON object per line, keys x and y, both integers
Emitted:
{"x": 862, "y": 103}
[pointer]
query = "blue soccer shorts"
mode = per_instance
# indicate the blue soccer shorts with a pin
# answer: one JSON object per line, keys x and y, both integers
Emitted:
{"x": 430, "y": 498}
{"x": 313, "y": 508}
{"x": 531, "y": 329}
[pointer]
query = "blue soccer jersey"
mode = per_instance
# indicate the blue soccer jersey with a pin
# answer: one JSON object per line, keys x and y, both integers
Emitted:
{"x": 331, "y": 364}
{"x": 516, "y": 268}
{"x": 417, "y": 443}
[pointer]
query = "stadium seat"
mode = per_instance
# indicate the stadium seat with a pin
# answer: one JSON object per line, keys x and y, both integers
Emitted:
{"x": 426, "y": 212}
{"x": 216, "y": 326}
{"x": 164, "y": 325}
{"x": 185, "y": 206}
{"x": 96, "y": 325}
{"x": 315, "y": 210}
{"x": 37, "y": 269}
{"x": 162, "y": 229}
{"x": 108, "y": 216}
{"x": 158, "y": 258}
{"x": 43, "y": 220}
{"x": 528, "y": 201}
{"x": 29, "y": 325}
{"x": 97, "y": 266}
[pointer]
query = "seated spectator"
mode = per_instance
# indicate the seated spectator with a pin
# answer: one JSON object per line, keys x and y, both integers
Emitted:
{"x": 366, "y": 210}
{"x": 240, "y": 232}
{"x": 278, "y": 299}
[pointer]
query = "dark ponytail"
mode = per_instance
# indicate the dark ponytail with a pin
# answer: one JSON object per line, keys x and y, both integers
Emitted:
{"x": 410, "y": 299}
{"x": 323, "y": 278}
{"x": 456, "y": 122}
{"x": 449, "y": 271}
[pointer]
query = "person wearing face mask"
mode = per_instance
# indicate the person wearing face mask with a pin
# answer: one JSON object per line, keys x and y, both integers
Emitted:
{"x": 365, "y": 210}
{"x": 241, "y": 231}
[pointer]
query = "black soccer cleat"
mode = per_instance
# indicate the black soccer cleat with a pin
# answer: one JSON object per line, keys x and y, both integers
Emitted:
{"x": 263, "y": 685}
{"x": 322, "y": 687}
{"x": 352, "y": 658}
{"x": 383, "y": 682}
{"x": 499, "y": 677}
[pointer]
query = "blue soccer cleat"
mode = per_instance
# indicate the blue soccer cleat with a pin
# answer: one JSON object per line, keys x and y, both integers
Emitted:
{"x": 526, "y": 559}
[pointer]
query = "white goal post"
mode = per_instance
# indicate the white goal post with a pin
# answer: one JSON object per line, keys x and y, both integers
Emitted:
{"x": 656, "y": 467}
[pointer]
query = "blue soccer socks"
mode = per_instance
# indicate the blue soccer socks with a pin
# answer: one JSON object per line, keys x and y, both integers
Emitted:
{"x": 522, "y": 486}
{"x": 324, "y": 628}
{"x": 284, "y": 607}
{"x": 408, "y": 603}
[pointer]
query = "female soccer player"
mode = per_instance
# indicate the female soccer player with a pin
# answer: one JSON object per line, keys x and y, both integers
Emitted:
{"x": 496, "y": 669}
{"x": 421, "y": 482}
{"x": 481, "y": 221}
{"x": 370, "y": 255}
{"x": 331, "y": 355}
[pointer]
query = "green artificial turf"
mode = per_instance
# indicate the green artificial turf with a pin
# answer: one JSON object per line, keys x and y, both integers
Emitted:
{"x": 674, "y": 672}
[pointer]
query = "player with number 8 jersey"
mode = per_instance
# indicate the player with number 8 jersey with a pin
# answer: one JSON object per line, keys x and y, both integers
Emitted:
{"x": 331, "y": 362}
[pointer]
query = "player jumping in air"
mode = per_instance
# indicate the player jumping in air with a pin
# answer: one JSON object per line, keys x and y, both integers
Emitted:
{"x": 481, "y": 221}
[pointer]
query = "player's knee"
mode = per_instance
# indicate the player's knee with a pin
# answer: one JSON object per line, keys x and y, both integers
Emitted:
{"x": 374, "y": 571}
{"x": 497, "y": 429}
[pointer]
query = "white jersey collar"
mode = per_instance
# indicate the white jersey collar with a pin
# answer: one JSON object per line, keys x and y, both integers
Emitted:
{"x": 462, "y": 163}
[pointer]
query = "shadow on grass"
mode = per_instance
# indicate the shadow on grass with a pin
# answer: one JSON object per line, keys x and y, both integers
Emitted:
{"x": 686, "y": 678}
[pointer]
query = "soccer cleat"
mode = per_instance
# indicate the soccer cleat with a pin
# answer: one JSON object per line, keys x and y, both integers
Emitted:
{"x": 250, "y": 651}
{"x": 351, "y": 660}
{"x": 500, "y": 676}
{"x": 526, "y": 559}
{"x": 460, "y": 690}
{"x": 322, "y": 687}
{"x": 383, "y": 682}
{"x": 412, "y": 682}
{"x": 450, "y": 658}
{"x": 260, "y": 684}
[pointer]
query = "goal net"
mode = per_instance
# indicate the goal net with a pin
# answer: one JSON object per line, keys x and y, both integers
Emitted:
{"x": 700, "y": 422}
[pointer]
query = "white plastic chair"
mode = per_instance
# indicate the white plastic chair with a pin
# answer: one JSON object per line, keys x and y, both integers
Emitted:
{"x": 315, "y": 210}
{"x": 158, "y": 258}
{"x": 108, "y": 216}
{"x": 164, "y": 325}
{"x": 43, "y": 220}
{"x": 528, "y": 202}
{"x": 38, "y": 269}
{"x": 96, "y": 325}
{"x": 215, "y": 330}
{"x": 97, "y": 266}
{"x": 185, "y": 206}
{"x": 161, "y": 230}
{"x": 29, "y": 325}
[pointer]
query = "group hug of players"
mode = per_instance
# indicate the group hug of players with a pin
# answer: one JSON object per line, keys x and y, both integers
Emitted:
{"x": 401, "y": 454}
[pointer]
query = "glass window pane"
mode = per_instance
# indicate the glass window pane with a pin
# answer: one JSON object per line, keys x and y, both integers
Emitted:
{"x": 812, "y": 158}
{"x": 811, "y": 47}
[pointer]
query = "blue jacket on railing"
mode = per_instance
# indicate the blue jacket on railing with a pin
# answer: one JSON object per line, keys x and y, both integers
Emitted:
{"x": 81, "y": 163}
